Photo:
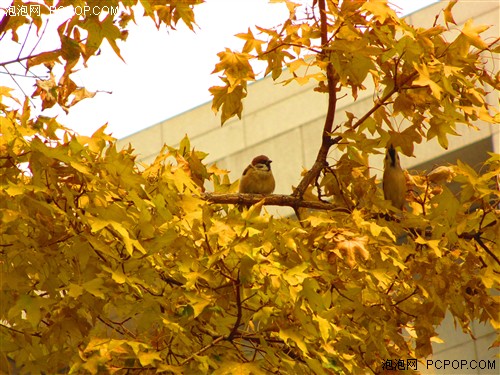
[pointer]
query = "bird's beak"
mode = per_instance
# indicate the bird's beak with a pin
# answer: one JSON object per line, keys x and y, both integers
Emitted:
{"x": 392, "y": 154}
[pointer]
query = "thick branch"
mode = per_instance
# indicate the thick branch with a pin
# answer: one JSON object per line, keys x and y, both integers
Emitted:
{"x": 326, "y": 142}
{"x": 269, "y": 200}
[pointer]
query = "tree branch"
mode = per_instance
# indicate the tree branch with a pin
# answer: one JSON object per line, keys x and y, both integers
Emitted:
{"x": 205, "y": 348}
{"x": 35, "y": 334}
{"x": 287, "y": 45}
{"x": 476, "y": 236}
{"x": 237, "y": 292}
{"x": 270, "y": 200}
{"x": 19, "y": 59}
{"x": 122, "y": 330}
{"x": 326, "y": 142}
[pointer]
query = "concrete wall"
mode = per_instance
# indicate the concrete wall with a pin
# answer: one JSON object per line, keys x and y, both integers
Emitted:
{"x": 285, "y": 123}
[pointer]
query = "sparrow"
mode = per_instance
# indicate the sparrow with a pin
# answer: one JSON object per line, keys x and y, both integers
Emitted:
{"x": 394, "y": 180}
{"x": 258, "y": 178}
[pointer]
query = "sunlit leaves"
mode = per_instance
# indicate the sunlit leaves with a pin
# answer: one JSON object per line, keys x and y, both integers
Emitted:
{"x": 380, "y": 10}
{"x": 440, "y": 127}
{"x": 434, "y": 83}
{"x": 81, "y": 37}
{"x": 134, "y": 274}
{"x": 251, "y": 43}
{"x": 425, "y": 80}
{"x": 237, "y": 72}
{"x": 448, "y": 16}
{"x": 108, "y": 267}
{"x": 47, "y": 90}
{"x": 235, "y": 67}
{"x": 295, "y": 338}
{"x": 44, "y": 57}
{"x": 472, "y": 34}
{"x": 171, "y": 13}
{"x": 97, "y": 31}
{"x": 228, "y": 100}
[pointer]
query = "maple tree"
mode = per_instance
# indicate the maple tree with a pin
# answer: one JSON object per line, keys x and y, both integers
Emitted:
{"x": 108, "y": 267}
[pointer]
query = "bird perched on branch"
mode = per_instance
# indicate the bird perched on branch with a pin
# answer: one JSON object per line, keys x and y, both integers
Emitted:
{"x": 394, "y": 180}
{"x": 258, "y": 178}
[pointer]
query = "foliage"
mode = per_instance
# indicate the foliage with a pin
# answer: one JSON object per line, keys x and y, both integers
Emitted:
{"x": 81, "y": 36}
{"x": 111, "y": 267}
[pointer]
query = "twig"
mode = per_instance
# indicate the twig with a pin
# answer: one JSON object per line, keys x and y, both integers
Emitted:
{"x": 207, "y": 242}
{"x": 205, "y": 348}
{"x": 404, "y": 312}
{"x": 168, "y": 279}
{"x": 287, "y": 45}
{"x": 41, "y": 36}
{"x": 25, "y": 39}
{"x": 405, "y": 298}
{"x": 476, "y": 236}
{"x": 25, "y": 58}
{"x": 480, "y": 242}
{"x": 24, "y": 75}
{"x": 123, "y": 333}
{"x": 341, "y": 294}
{"x": 19, "y": 86}
{"x": 234, "y": 330}
{"x": 36, "y": 334}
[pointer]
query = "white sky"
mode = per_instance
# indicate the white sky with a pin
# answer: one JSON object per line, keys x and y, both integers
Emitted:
{"x": 166, "y": 72}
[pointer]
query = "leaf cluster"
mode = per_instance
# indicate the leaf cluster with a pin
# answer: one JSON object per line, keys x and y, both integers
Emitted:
{"x": 110, "y": 268}
{"x": 113, "y": 267}
{"x": 80, "y": 37}
{"x": 418, "y": 73}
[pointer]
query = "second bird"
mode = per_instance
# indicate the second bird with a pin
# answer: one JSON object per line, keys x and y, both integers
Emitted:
{"x": 394, "y": 181}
